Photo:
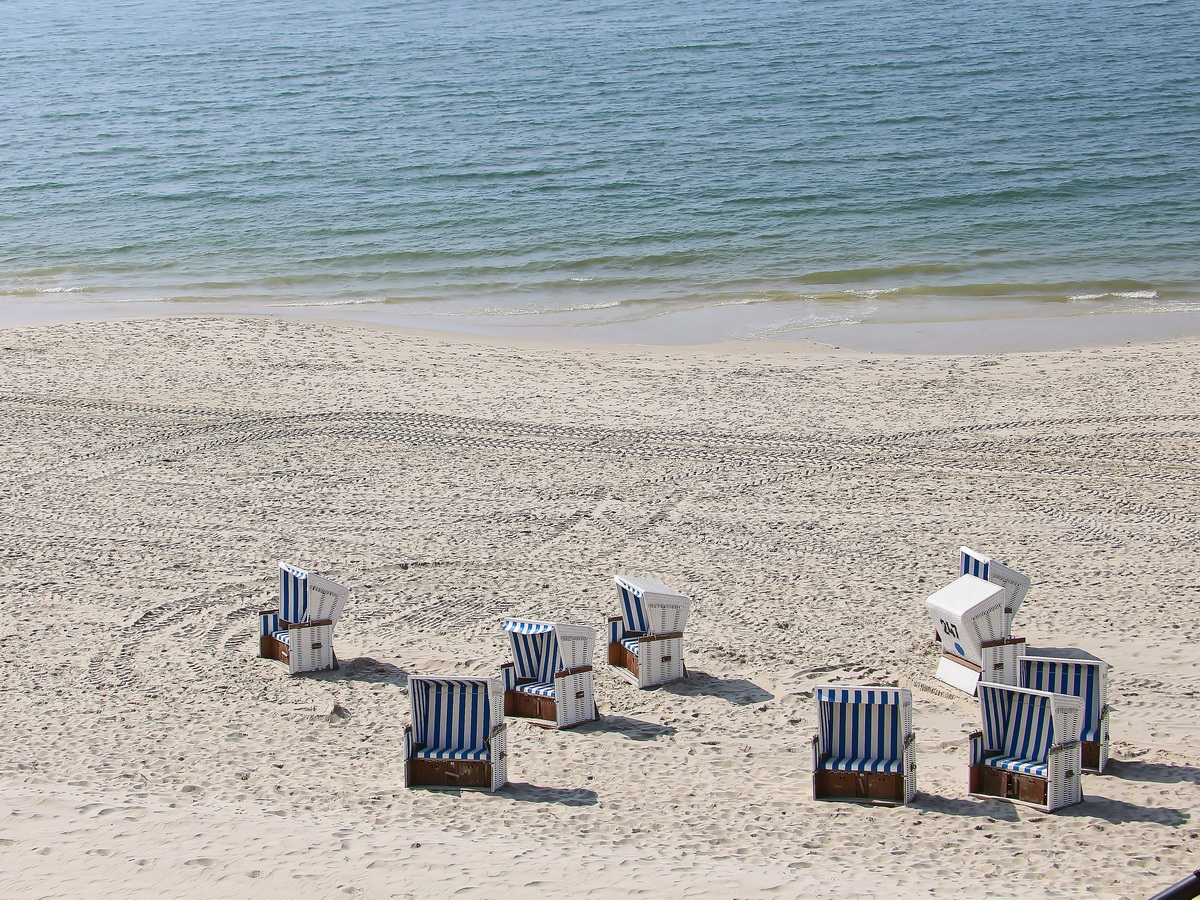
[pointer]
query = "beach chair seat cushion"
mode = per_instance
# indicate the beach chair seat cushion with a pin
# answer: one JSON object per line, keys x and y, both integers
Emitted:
{"x": 537, "y": 688}
{"x": 456, "y": 753}
{"x": 851, "y": 764}
{"x": 631, "y": 644}
{"x": 1017, "y": 764}
{"x": 284, "y": 636}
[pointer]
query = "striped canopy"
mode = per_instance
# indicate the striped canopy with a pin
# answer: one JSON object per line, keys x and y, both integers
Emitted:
{"x": 450, "y": 715}
{"x": 1062, "y": 676}
{"x": 861, "y": 728}
{"x": 1018, "y": 723}
{"x": 293, "y": 594}
{"x": 1016, "y": 585}
{"x": 631, "y": 609}
{"x": 535, "y": 649}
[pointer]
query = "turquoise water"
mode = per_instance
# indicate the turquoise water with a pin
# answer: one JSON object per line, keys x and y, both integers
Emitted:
{"x": 700, "y": 169}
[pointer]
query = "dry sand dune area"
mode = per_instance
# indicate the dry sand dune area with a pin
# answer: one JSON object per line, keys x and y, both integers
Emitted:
{"x": 808, "y": 500}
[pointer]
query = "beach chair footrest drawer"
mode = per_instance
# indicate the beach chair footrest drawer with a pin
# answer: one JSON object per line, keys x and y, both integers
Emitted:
{"x": 878, "y": 786}
{"x": 620, "y": 655}
{"x": 270, "y": 648}
{"x": 450, "y": 773}
{"x": 1090, "y": 756}
{"x": 990, "y": 781}
{"x": 530, "y": 706}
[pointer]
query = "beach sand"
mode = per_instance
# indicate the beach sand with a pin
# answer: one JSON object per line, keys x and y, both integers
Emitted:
{"x": 809, "y": 500}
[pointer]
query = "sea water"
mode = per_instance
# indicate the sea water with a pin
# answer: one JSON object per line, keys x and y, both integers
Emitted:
{"x": 667, "y": 169}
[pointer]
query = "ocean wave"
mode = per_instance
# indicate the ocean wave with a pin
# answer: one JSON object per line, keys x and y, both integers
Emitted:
{"x": 1124, "y": 295}
{"x": 300, "y": 304}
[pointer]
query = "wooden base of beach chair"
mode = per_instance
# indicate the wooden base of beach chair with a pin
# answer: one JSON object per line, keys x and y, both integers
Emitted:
{"x": 882, "y": 788}
{"x": 1000, "y": 784}
{"x": 450, "y": 774}
{"x": 1090, "y": 753}
{"x": 269, "y": 648}
{"x": 623, "y": 658}
{"x": 530, "y": 706}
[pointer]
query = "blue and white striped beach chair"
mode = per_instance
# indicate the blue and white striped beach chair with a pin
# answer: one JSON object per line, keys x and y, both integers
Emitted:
{"x": 300, "y": 632}
{"x": 1028, "y": 750}
{"x": 457, "y": 738}
{"x": 865, "y": 749}
{"x": 1016, "y": 585}
{"x": 1077, "y": 674}
{"x": 645, "y": 642}
{"x": 551, "y": 678}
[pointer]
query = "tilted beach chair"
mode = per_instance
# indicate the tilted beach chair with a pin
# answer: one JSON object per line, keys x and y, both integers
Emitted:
{"x": 972, "y": 626}
{"x": 457, "y": 738}
{"x": 865, "y": 749}
{"x": 1077, "y": 674}
{"x": 300, "y": 632}
{"x": 551, "y": 679}
{"x": 645, "y": 642}
{"x": 1029, "y": 750}
{"x": 1016, "y": 585}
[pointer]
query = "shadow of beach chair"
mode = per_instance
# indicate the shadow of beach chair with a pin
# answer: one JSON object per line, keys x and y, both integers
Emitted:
{"x": 972, "y": 626}
{"x": 1028, "y": 750}
{"x": 1016, "y": 585}
{"x": 1077, "y": 674}
{"x": 457, "y": 738}
{"x": 865, "y": 749}
{"x": 645, "y": 642}
{"x": 551, "y": 678}
{"x": 300, "y": 632}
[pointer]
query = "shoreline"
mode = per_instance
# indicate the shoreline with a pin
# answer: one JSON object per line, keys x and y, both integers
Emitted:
{"x": 934, "y": 338}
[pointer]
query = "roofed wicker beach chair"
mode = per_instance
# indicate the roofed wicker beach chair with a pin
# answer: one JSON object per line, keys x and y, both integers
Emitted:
{"x": 1029, "y": 750}
{"x": 1077, "y": 674}
{"x": 300, "y": 632}
{"x": 645, "y": 642}
{"x": 972, "y": 626}
{"x": 551, "y": 679}
{"x": 1016, "y": 585}
{"x": 865, "y": 749}
{"x": 457, "y": 738}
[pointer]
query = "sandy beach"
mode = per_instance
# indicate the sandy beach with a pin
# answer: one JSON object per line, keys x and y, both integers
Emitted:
{"x": 807, "y": 499}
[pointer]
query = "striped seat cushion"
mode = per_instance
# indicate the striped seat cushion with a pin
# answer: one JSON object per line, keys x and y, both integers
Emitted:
{"x": 284, "y": 636}
{"x": 1016, "y": 764}
{"x": 631, "y": 644}
{"x": 849, "y": 764}
{"x": 538, "y": 688}
{"x": 443, "y": 753}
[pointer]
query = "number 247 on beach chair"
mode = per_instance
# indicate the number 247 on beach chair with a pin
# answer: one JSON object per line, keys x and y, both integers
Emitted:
{"x": 865, "y": 749}
{"x": 457, "y": 738}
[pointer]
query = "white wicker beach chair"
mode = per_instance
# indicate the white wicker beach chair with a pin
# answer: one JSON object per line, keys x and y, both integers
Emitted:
{"x": 865, "y": 749}
{"x": 1029, "y": 749}
{"x": 1016, "y": 585}
{"x": 551, "y": 679}
{"x": 972, "y": 626}
{"x": 457, "y": 738}
{"x": 645, "y": 642}
{"x": 300, "y": 632}
{"x": 1077, "y": 674}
